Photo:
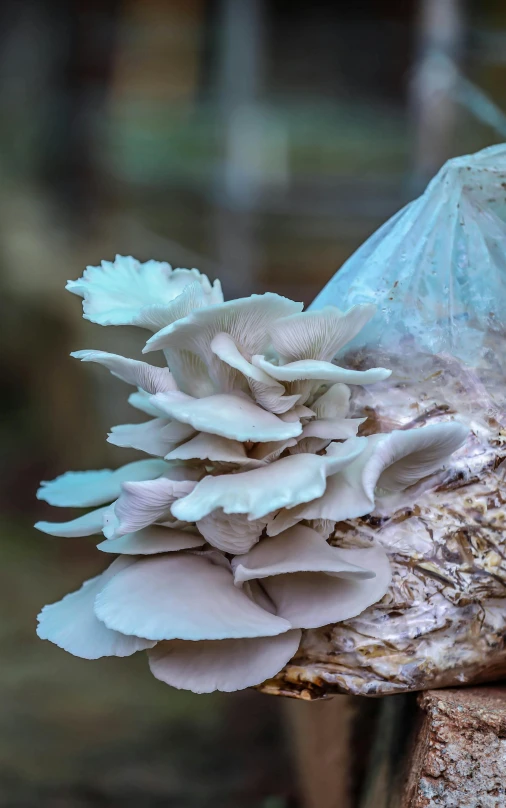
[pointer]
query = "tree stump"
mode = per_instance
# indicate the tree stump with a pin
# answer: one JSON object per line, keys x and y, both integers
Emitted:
{"x": 458, "y": 758}
{"x": 440, "y": 749}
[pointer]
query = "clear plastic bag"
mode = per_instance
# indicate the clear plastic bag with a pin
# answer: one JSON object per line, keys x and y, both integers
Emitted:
{"x": 437, "y": 272}
{"x": 437, "y": 269}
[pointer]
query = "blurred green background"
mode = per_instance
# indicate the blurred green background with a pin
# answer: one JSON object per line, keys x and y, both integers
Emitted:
{"x": 261, "y": 141}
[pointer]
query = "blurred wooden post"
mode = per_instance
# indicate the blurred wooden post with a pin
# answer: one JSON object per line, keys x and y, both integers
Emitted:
{"x": 321, "y": 738}
{"x": 439, "y": 34}
{"x": 334, "y": 742}
{"x": 239, "y": 84}
{"x": 389, "y": 755}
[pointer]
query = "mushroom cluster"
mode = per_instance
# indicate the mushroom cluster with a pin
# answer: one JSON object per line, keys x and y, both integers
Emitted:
{"x": 221, "y": 536}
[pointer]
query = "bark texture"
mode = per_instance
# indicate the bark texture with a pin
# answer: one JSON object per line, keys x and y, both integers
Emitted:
{"x": 459, "y": 756}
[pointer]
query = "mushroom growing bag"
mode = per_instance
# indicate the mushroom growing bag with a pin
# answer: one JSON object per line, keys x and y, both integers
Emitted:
{"x": 437, "y": 273}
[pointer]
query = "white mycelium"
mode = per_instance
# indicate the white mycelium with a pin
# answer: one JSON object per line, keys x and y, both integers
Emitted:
{"x": 221, "y": 536}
